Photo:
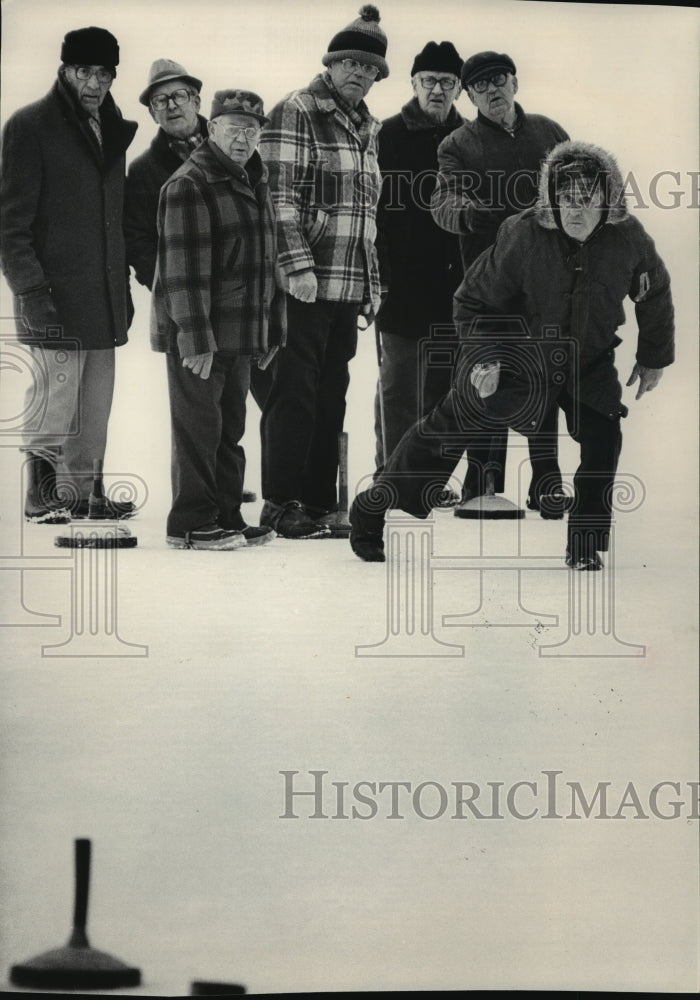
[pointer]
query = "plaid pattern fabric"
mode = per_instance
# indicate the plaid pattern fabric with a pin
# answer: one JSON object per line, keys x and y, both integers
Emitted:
{"x": 216, "y": 285}
{"x": 325, "y": 183}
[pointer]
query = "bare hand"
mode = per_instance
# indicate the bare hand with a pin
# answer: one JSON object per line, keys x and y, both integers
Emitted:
{"x": 303, "y": 286}
{"x": 485, "y": 378}
{"x": 199, "y": 364}
{"x": 649, "y": 378}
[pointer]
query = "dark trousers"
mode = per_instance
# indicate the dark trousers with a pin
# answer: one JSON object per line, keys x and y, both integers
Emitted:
{"x": 207, "y": 422}
{"x": 305, "y": 407}
{"x": 407, "y": 389}
{"x": 544, "y": 459}
{"x": 428, "y": 454}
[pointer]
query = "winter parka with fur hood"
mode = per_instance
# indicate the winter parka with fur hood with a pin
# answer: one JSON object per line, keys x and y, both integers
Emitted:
{"x": 548, "y": 307}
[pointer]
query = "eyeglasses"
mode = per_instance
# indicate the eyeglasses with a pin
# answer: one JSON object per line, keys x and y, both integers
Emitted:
{"x": 179, "y": 97}
{"x": 581, "y": 199}
{"x": 353, "y": 66}
{"x": 233, "y": 131}
{"x": 103, "y": 75}
{"x": 447, "y": 83}
{"x": 481, "y": 86}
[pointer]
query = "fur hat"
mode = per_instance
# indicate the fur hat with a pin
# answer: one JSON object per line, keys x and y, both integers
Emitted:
{"x": 442, "y": 58}
{"x": 238, "y": 102}
{"x": 363, "y": 40}
{"x": 163, "y": 71}
{"x": 90, "y": 47}
{"x": 484, "y": 63}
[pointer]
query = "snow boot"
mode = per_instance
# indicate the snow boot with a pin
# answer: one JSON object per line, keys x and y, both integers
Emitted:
{"x": 40, "y": 504}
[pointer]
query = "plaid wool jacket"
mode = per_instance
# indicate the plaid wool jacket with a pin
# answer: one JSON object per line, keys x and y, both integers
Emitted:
{"x": 216, "y": 286}
{"x": 325, "y": 183}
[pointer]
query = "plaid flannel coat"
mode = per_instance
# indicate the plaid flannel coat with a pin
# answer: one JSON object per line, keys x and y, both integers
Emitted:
{"x": 325, "y": 183}
{"x": 216, "y": 286}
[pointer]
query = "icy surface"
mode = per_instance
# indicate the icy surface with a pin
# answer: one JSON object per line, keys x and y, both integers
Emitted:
{"x": 208, "y": 674}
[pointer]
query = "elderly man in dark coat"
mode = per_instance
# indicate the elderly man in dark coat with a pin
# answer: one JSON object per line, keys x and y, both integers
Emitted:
{"x": 565, "y": 265}
{"x": 419, "y": 262}
{"x": 172, "y": 98}
{"x": 216, "y": 308}
{"x": 488, "y": 172}
{"x": 62, "y": 251}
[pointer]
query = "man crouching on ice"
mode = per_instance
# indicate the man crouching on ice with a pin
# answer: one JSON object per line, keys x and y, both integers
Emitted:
{"x": 565, "y": 265}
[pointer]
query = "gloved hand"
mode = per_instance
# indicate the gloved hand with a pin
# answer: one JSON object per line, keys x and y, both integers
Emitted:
{"x": 485, "y": 378}
{"x": 199, "y": 364}
{"x": 303, "y": 286}
{"x": 481, "y": 220}
{"x": 649, "y": 378}
{"x": 38, "y": 311}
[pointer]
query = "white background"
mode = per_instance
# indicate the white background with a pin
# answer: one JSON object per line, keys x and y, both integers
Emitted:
{"x": 170, "y": 762}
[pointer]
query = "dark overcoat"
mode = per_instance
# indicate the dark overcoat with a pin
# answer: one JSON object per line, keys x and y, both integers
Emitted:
{"x": 419, "y": 263}
{"x": 62, "y": 243}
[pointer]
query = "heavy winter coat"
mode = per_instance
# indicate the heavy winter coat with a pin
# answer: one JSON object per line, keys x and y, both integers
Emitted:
{"x": 145, "y": 177}
{"x": 62, "y": 245}
{"x": 566, "y": 299}
{"x": 216, "y": 286}
{"x": 486, "y": 163}
{"x": 419, "y": 263}
{"x": 325, "y": 182}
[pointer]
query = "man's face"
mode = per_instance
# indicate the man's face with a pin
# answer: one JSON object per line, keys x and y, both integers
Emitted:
{"x": 436, "y": 93}
{"x": 174, "y": 107}
{"x": 236, "y": 135}
{"x": 90, "y": 84}
{"x": 580, "y": 210}
{"x": 352, "y": 79}
{"x": 496, "y": 100}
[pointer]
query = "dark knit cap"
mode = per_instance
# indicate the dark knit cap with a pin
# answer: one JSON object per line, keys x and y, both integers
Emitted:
{"x": 90, "y": 47}
{"x": 442, "y": 58}
{"x": 362, "y": 40}
{"x": 484, "y": 63}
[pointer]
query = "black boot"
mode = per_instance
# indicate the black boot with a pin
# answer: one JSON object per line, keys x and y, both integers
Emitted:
{"x": 40, "y": 504}
{"x": 366, "y": 530}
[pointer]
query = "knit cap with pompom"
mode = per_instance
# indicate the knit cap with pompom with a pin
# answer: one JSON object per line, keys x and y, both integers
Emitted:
{"x": 362, "y": 40}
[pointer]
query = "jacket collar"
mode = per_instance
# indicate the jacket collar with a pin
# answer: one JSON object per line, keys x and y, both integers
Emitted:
{"x": 216, "y": 166}
{"x": 415, "y": 119}
{"x": 161, "y": 140}
{"x": 519, "y": 121}
{"x": 327, "y": 103}
{"x": 117, "y": 132}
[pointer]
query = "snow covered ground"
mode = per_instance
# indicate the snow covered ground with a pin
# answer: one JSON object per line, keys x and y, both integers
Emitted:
{"x": 158, "y": 702}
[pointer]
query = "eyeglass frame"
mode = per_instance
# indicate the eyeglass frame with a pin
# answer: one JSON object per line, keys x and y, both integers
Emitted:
{"x": 367, "y": 69}
{"x": 447, "y": 84}
{"x": 85, "y": 73}
{"x": 179, "y": 103}
{"x": 481, "y": 85}
{"x": 249, "y": 131}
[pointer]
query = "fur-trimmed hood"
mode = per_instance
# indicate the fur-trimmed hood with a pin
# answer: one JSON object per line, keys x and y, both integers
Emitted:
{"x": 568, "y": 152}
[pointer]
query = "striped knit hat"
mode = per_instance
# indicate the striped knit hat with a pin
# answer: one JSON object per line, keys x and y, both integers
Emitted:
{"x": 363, "y": 40}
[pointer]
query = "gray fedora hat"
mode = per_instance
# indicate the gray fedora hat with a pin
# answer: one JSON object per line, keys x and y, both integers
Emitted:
{"x": 163, "y": 70}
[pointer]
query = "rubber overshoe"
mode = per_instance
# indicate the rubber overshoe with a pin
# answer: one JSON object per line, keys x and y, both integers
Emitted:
{"x": 290, "y": 520}
{"x": 366, "y": 533}
{"x": 210, "y": 537}
{"x": 590, "y": 562}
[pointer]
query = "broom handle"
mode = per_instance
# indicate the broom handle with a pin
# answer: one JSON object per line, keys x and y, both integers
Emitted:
{"x": 82, "y": 889}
